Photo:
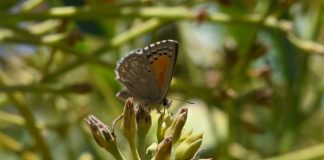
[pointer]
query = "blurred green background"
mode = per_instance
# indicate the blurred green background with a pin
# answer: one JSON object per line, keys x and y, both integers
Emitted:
{"x": 254, "y": 70}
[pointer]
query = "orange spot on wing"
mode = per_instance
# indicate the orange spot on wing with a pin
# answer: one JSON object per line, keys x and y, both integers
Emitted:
{"x": 159, "y": 68}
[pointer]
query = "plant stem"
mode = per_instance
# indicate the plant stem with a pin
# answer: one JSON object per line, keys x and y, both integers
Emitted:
{"x": 162, "y": 13}
{"x": 115, "y": 42}
{"x": 21, "y": 36}
{"x": 133, "y": 149}
{"x": 116, "y": 153}
{"x": 19, "y": 102}
{"x": 141, "y": 146}
{"x": 10, "y": 143}
{"x": 11, "y": 118}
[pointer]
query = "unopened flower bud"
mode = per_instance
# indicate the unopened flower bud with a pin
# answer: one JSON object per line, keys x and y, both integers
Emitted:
{"x": 128, "y": 125}
{"x": 103, "y": 135}
{"x": 187, "y": 148}
{"x": 176, "y": 127}
{"x": 164, "y": 122}
{"x": 184, "y": 136}
{"x": 144, "y": 122}
{"x": 150, "y": 151}
{"x": 163, "y": 151}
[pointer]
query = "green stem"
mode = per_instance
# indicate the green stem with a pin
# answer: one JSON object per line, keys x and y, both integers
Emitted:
{"x": 27, "y": 88}
{"x": 166, "y": 13}
{"x": 9, "y": 143}
{"x": 37, "y": 89}
{"x": 133, "y": 149}
{"x": 21, "y": 105}
{"x": 12, "y": 119}
{"x": 141, "y": 146}
{"x": 116, "y": 153}
{"x": 21, "y": 36}
{"x": 115, "y": 42}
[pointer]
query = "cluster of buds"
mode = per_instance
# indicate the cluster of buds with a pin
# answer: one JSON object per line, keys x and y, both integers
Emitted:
{"x": 172, "y": 142}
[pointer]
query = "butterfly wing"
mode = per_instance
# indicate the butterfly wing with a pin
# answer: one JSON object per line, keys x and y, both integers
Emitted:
{"x": 162, "y": 57}
{"x": 135, "y": 73}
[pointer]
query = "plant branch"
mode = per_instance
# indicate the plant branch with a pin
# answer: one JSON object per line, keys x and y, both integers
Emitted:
{"x": 44, "y": 89}
{"x": 162, "y": 13}
{"x": 11, "y": 118}
{"x": 19, "y": 102}
{"x": 20, "y": 36}
{"x": 10, "y": 143}
{"x": 115, "y": 42}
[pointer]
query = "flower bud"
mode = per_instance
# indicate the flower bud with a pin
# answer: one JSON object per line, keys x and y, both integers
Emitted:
{"x": 164, "y": 122}
{"x": 184, "y": 136}
{"x": 103, "y": 135}
{"x": 187, "y": 148}
{"x": 150, "y": 151}
{"x": 128, "y": 125}
{"x": 163, "y": 151}
{"x": 176, "y": 127}
{"x": 144, "y": 122}
{"x": 162, "y": 126}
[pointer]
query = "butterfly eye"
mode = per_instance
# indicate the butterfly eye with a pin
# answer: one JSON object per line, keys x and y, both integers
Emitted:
{"x": 166, "y": 103}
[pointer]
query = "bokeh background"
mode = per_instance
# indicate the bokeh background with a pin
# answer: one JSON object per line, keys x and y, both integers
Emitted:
{"x": 254, "y": 70}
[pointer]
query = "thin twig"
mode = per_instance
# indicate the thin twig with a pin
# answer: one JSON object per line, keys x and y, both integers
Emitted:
{"x": 19, "y": 102}
{"x": 162, "y": 13}
{"x": 115, "y": 42}
{"x": 12, "y": 119}
{"x": 23, "y": 37}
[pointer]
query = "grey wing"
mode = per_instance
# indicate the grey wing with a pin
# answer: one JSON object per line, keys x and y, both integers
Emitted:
{"x": 135, "y": 73}
{"x": 162, "y": 57}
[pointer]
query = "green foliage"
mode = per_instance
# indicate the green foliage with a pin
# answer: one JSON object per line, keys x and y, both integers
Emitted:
{"x": 252, "y": 68}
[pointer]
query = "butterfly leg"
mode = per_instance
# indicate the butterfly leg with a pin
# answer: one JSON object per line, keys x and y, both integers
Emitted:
{"x": 116, "y": 120}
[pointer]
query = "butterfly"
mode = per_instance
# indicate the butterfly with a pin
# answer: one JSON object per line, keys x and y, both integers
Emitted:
{"x": 146, "y": 73}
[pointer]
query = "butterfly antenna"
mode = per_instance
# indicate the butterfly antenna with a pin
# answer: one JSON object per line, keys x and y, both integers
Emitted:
{"x": 183, "y": 101}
